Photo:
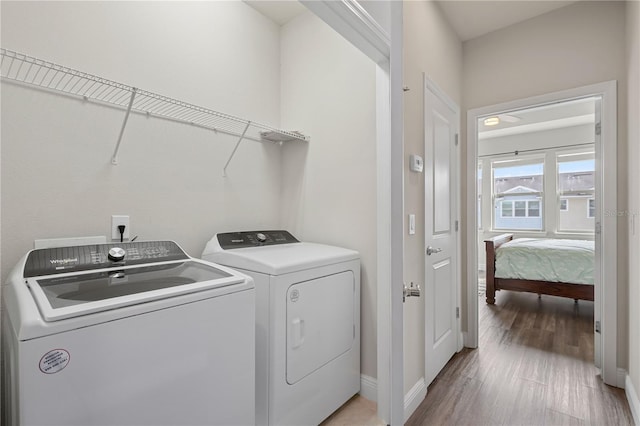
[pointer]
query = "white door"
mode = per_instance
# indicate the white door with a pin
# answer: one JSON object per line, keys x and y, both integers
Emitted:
{"x": 441, "y": 236}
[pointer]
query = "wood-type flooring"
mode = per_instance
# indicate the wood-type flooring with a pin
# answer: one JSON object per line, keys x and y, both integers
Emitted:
{"x": 534, "y": 366}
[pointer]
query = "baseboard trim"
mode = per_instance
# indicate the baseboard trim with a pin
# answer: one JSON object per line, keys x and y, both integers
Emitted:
{"x": 465, "y": 339}
{"x": 414, "y": 397}
{"x": 632, "y": 397}
{"x": 622, "y": 378}
{"x": 369, "y": 388}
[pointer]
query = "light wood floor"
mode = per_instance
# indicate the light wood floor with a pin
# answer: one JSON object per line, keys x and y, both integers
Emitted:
{"x": 534, "y": 366}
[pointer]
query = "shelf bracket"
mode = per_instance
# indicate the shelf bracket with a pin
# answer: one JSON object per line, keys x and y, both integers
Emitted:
{"x": 114, "y": 157}
{"x": 244, "y": 132}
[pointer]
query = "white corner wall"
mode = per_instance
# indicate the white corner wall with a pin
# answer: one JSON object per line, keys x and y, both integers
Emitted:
{"x": 574, "y": 46}
{"x": 57, "y": 179}
{"x": 633, "y": 74}
{"x": 329, "y": 185}
{"x": 432, "y": 47}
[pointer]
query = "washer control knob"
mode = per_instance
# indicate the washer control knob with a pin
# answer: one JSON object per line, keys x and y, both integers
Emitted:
{"x": 261, "y": 237}
{"x": 116, "y": 254}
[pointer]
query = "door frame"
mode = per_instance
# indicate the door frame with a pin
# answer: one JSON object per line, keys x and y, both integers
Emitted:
{"x": 384, "y": 47}
{"x": 606, "y": 159}
{"x": 431, "y": 88}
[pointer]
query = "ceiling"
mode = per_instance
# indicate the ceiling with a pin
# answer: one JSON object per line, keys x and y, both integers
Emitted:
{"x": 279, "y": 12}
{"x": 469, "y": 18}
{"x": 546, "y": 117}
{"x": 473, "y": 18}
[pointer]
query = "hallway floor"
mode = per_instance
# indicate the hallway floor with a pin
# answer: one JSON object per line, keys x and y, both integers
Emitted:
{"x": 534, "y": 366}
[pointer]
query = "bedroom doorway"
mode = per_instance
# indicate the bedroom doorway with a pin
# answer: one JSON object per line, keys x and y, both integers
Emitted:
{"x": 542, "y": 172}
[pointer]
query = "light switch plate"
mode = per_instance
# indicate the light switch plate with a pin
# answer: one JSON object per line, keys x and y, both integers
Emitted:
{"x": 412, "y": 224}
{"x": 416, "y": 163}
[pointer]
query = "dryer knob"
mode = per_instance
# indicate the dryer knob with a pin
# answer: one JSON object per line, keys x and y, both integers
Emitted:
{"x": 116, "y": 254}
{"x": 261, "y": 237}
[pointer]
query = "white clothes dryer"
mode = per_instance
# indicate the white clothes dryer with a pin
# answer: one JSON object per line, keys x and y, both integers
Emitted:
{"x": 127, "y": 334}
{"x": 307, "y": 322}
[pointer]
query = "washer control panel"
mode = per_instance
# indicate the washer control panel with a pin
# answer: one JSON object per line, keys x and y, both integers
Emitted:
{"x": 233, "y": 240}
{"x": 59, "y": 260}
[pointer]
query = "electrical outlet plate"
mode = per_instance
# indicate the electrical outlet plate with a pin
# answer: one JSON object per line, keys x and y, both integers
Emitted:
{"x": 117, "y": 220}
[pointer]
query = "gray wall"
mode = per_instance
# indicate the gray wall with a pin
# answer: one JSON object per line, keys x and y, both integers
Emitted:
{"x": 633, "y": 72}
{"x": 577, "y": 45}
{"x": 432, "y": 47}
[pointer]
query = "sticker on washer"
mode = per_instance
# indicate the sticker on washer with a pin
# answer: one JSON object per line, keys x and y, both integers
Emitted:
{"x": 294, "y": 296}
{"x": 54, "y": 361}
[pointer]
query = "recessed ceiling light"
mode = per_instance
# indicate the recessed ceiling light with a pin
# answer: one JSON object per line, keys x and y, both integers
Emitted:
{"x": 491, "y": 121}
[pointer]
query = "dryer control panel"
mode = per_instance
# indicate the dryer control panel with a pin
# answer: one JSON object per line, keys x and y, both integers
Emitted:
{"x": 98, "y": 256}
{"x": 233, "y": 240}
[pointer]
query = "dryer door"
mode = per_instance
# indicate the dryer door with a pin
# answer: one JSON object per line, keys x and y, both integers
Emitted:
{"x": 320, "y": 323}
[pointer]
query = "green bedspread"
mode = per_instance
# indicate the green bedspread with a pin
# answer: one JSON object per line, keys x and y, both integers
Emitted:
{"x": 567, "y": 261}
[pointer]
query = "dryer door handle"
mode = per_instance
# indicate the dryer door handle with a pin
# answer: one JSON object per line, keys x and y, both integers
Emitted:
{"x": 297, "y": 332}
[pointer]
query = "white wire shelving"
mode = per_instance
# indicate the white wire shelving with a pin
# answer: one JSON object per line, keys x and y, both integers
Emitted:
{"x": 36, "y": 72}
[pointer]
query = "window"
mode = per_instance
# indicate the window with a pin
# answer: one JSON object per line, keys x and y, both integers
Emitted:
{"x": 591, "y": 209}
{"x": 576, "y": 186}
{"x": 506, "y": 208}
{"x": 518, "y": 193}
{"x": 564, "y": 205}
{"x": 520, "y": 208}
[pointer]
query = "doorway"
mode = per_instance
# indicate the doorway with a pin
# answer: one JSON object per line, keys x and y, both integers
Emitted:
{"x": 543, "y": 217}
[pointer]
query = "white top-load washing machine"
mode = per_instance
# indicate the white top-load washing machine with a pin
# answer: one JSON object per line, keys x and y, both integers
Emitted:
{"x": 130, "y": 333}
{"x": 307, "y": 322}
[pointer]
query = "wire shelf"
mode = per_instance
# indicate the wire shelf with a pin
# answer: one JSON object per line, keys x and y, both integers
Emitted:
{"x": 48, "y": 75}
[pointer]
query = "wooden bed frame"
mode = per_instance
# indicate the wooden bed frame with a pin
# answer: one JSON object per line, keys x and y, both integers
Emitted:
{"x": 574, "y": 291}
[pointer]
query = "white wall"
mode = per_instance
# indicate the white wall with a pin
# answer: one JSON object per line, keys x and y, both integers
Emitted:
{"x": 577, "y": 45}
{"x": 57, "y": 179}
{"x": 431, "y": 47}
{"x": 329, "y": 185}
{"x": 633, "y": 73}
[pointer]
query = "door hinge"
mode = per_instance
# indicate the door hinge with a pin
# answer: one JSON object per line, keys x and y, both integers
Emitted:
{"x": 457, "y": 226}
{"x": 458, "y": 136}
{"x": 457, "y": 312}
{"x": 598, "y": 129}
{"x": 597, "y": 326}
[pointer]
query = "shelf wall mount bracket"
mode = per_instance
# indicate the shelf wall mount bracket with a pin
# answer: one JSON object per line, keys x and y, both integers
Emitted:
{"x": 114, "y": 157}
{"x": 244, "y": 132}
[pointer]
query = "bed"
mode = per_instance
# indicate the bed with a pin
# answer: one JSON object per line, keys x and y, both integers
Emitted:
{"x": 545, "y": 266}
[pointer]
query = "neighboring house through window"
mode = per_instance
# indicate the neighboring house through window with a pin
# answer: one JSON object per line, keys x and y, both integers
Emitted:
{"x": 518, "y": 193}
{"x": 576, "y": 188}
{"x": 553, "y": 191}
{"x": 564, "y": 205}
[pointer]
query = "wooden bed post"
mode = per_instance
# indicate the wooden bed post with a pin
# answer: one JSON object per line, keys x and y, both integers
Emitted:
{"x": 491, "y": 244}
{"x": 490, "y": 291}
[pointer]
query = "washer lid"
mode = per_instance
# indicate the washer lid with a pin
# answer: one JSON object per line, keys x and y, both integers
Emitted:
{"x": 279, "y": 259}
{"x": 74, "y": 294}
